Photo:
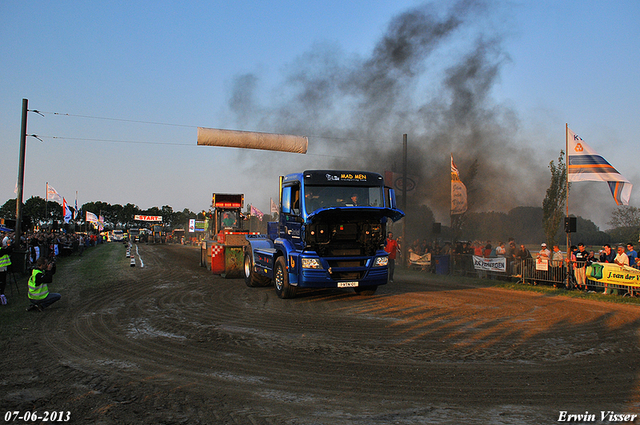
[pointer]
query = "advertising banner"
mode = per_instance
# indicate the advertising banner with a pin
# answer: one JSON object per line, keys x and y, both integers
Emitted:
{"x": 613, "y": 273}
{"x": 542, "y": 265}
{"x": 490, "y": 264}
{"x": 157, "y": 218}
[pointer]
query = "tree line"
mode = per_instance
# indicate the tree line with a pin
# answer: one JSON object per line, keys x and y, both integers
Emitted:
{"x": 39, "y": 212}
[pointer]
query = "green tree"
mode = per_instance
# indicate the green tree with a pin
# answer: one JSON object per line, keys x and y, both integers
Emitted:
{"x": 555, "y": 200}
{"x": 35, "y": 207}
{"x": 625, "y": 224}
{"x": 128, "y": 213}
{"x": 8, "y": 210}
{"x": 167, "y": 215}
{"x": 625, "y": 216}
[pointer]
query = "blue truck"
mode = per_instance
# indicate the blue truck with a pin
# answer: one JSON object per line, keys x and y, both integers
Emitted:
{"x": 330, "y": 233}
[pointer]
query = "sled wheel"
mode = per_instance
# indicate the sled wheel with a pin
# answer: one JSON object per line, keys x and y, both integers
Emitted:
{"x": 251, "y": 278}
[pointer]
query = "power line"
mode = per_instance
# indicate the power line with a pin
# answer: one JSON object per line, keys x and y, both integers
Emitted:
{"x": 114, "y": 119}
{"x": 137, "y": 142}
{"x": 113, "y": 141}
{"x": 316, "y": 136}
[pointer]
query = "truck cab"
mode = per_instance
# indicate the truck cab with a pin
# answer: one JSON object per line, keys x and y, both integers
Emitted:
{"x": 330, "y": 234}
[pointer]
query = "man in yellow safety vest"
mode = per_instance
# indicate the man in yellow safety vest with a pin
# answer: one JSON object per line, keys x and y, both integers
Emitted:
{"x": 39, "y": 294}
{"x": 5, "y": 262}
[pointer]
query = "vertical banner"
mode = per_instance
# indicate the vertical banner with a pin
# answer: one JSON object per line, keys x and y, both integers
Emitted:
{"x": 458, "y": 191}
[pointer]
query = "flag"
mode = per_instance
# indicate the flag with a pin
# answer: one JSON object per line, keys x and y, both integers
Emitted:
{"x": 458, "y": 191}
{"x": 75, "y": 211}
{"x": 66, "y": 211}
{"x": 256, "y": 212}
{"x": 91, "y": 217}
{"x": 52, "y": 195}
{"x": 274, "y": 207}
{"x": 584, "y": 164}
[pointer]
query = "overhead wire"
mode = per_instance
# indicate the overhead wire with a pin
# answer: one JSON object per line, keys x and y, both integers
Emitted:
{"x": 42, "y": 113}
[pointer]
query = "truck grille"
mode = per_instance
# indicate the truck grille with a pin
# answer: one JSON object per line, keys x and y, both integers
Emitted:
{"x": 347, "y": 263}
{"x": 347, "y": 275}
{"x": 344, "y": 252}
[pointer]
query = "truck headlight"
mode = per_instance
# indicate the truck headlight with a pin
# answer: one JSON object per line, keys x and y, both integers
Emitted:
{"x": 311, "y": 263}
{"x": 381, "y": 262}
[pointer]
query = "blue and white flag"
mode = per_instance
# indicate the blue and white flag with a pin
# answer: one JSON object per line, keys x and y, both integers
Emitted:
{"x": 583, "y": 164}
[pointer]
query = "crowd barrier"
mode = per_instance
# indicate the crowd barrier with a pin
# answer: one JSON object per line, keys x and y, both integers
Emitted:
{"x": 534, "y": 272}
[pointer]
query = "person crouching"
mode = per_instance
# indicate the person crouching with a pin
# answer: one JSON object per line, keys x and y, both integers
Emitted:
{"x": 39, "y": 294}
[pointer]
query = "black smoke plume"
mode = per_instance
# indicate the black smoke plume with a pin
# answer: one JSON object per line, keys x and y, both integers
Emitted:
{"x": 430, "y": 76}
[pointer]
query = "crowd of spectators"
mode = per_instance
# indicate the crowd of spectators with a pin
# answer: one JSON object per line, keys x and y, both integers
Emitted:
{"x": 49, "y": 244}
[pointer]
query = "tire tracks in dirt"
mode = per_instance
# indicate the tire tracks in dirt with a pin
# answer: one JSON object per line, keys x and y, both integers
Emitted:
{"x": 175, "y": 339}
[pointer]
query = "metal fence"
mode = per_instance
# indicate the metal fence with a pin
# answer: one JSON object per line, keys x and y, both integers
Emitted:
{"x": 529, "y": 271}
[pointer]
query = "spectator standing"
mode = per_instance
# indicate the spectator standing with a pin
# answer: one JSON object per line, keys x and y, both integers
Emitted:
{"x": 522, "y": 255}
{"x": 543, "y": 255}
{"x": 511, "y": 255}
{"x": 392, "y": 248}
{"x": 632, "y": 255}
{"x": 580, "y": 259}
{"x": 5, "y": 263}
{"x": 607, "y": 255}
{"x": 5, "y": 239}
{"x": 621, "y": 258}
{"x": 556, "y": 266}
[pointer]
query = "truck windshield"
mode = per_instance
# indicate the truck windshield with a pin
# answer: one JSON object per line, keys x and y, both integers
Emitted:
{"x": 316, "y": 197}
{"x": 228, "y": 220}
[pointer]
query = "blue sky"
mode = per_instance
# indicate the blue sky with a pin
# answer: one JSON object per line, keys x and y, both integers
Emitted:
{"x": 137, "y": 78}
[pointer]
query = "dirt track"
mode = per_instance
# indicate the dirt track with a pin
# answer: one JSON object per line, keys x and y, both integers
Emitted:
{"x": 169, "y": 343}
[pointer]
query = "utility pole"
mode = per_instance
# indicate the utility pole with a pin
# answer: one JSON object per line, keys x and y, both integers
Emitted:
{"x": 404, "y": 248}
{"x": 20, "y": 255}
{"x": 23, "y": 148}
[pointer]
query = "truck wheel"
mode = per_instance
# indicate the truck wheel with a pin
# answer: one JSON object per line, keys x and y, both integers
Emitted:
{"x": 366, "y": 290}
{"x": 251, "y": 278}
{"x": 281, "y": 280}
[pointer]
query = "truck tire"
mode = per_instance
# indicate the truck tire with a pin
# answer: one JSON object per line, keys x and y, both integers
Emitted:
{"x": 251, "y": 278}
{"x": 281, "y": 280}
{"x": 366, "y": 290}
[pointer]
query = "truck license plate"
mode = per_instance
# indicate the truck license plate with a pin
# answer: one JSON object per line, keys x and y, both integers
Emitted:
{"x": 347, "y": 284}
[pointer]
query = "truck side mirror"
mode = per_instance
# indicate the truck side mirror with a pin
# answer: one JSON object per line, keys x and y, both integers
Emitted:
{"x": 391, "y": 201}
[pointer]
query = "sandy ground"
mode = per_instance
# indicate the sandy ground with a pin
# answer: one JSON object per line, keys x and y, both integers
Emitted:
{"x": 170, "y": 343}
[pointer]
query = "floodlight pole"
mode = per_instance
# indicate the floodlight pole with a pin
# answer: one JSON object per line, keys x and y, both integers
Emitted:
{"x": 20, "y": 183}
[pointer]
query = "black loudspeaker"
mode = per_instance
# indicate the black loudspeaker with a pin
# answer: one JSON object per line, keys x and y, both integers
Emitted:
{"x": 436, "y": 228}
{"x": 570, "y": 224}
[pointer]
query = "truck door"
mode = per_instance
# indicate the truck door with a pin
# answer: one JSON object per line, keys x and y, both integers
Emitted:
{"x": 291, "y": 219}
